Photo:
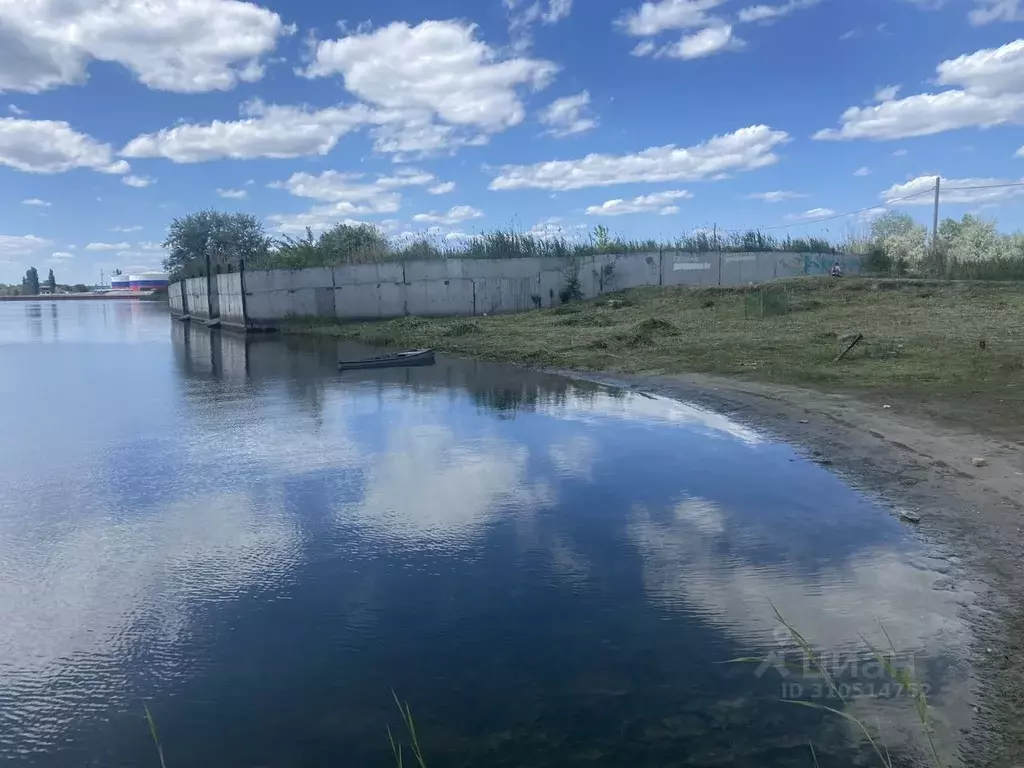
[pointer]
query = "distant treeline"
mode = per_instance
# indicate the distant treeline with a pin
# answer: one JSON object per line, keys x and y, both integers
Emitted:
{"x": 895, "y": 244}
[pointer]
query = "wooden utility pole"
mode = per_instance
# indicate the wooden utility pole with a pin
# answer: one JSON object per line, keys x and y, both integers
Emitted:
{"x": 935, "y": 219}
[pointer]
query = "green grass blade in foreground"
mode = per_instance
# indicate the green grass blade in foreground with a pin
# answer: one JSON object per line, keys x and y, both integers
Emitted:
{"x": 845, "y": 716}
{"x": 764, "y": 660}
{"x": 904, "y": 678}
{"x": 810, "y": 653}
{"x": 156, "y": 739}
{"x": 410, "y": 727}
{"x": 396, "y": 749}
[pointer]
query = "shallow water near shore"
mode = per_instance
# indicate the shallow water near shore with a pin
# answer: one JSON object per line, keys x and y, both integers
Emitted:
{"x": 551, "y": 572}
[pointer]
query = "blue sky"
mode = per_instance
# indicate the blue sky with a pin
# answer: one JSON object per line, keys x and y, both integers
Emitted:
{"x": 454, "y": 116}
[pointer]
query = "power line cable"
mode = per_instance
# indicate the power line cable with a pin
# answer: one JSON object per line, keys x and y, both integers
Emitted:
{"x": 837, "y": 216}
{"x": 984, "y": 186}
{"x": 832, "y": 217}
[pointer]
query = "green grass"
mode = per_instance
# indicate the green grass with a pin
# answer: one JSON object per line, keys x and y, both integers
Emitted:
{"x": 922, "y": 339}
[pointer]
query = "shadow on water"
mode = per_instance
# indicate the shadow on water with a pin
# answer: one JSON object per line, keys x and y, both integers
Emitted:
{"x": 549, "y": 571}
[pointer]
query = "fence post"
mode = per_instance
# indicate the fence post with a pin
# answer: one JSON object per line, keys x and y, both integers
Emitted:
{"x": 209, "y": 295}
{"x": 245, "y": 310}
{"x": 183, "y": 289}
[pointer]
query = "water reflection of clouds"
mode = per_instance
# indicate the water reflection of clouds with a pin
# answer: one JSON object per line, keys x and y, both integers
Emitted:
{"x": 82, "y": 589}
{"x": 430, "y": 488}
{"x": 574, "y": 456}
{"x": 684, "y": 567}
{"x": 94, "y": 601}
{"x": 690, "y": 564}
{"x": 651, "y": 409}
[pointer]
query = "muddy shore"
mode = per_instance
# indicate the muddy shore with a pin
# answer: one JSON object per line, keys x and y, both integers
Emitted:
{"x": 916, "y": 458}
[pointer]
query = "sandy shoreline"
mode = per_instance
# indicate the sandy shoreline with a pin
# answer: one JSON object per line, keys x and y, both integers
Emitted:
{"x": 913, "y": 460}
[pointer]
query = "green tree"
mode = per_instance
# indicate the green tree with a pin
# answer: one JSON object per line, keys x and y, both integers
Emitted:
{"x": 52, "y": 282}
{"x": 973, "y": 239}
{"x": 341, "y": 244}
{"x": 30, "y": 283}
{"x": 80, "y": 288}
{"x": 351, "y": 243}
{"x": 899, "y": 237}
{"x": 213, "y": 237}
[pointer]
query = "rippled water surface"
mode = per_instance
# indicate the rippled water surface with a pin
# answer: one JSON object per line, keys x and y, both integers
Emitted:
{"x": 551, "y": 573}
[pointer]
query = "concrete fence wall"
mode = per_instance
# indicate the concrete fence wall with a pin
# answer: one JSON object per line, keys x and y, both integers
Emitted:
{"x": 262, "y": 298}
{"x": 196, "y": 300}
{"x": 175, "y": 299}
{"x": 230, "y": 300}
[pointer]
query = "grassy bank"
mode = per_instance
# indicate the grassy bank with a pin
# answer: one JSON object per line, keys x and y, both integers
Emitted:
{"x": 922, "y": 339}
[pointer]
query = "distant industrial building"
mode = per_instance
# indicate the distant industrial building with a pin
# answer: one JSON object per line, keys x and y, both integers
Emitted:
{"x": 142, "y": 281}
{"x": 148, "y": 281}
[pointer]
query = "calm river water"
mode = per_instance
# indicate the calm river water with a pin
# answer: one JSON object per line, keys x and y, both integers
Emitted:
{"x": 260, "y": 549}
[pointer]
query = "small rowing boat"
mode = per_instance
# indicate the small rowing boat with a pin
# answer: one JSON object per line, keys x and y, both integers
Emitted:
{"x": 397, "y": 360}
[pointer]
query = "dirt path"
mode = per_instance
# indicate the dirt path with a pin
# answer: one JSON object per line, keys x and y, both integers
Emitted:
{"x": 914, "y": 458}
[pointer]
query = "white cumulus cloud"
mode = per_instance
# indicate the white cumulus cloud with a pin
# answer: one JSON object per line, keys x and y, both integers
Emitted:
{"x": 887, "y": 93}
{"x": 988, "y": 11}
{"x": 233, "y": 194}
{"x": 107, "y": 247}
{"x": 524, "y": 14}
{"x": 954, "y": 191}
{"x": 435, "y": 76}
{"x": 443, "y": 188}
{"x": 568, "y": 116}
{"x": 707, "y": 42}
{"x": 862, "y": 171}
{"x": 139, "y": 182}
{"x": 555, "y": 228}
{"x": 36, "y": 201}
{"x": 424, "y": 89}
{"x": 742, "y": 150}
{"x": 343, "y": 195}
{"x": 811, "y": 215}
{"x": 652, "y": 18}
{"x": 347, "y": 190}
{"x": 455, "y": 215}
{"x": 265, "y": 130}
{"x": 778, "y": 196}
{"x": 988, "y": 90}
{"x": 659, "y": 202}
{"x": 187, "y": 46}
{"x": 22, "y": 245}
{"x": 53, "y": 146}
{"x": 769, "y": 13}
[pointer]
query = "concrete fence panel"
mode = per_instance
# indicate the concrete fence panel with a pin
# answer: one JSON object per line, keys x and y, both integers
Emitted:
{"x": 197, "y": 298}
{"x": 174, "y": 298}
{"x": 354, "y": 301}
{"x": 619, "y": 272}
{"x": 684, "y": 268}
{"x": 229, "y": 296}
{"x": 437, "y": 298}
{"x": 498, "y": 295}
{"x": 551, "y": 283}
{"x": 362, "y": 274}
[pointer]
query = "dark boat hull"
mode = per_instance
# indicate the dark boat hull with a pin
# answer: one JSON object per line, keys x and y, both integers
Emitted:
{"x": 399, "y": 360}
